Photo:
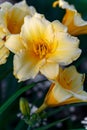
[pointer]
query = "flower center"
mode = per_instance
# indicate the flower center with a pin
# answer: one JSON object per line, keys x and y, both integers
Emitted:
{"x": 41, "y": 49}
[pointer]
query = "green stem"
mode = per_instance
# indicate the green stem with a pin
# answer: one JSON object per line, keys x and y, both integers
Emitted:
{"x": 41, "y": 108}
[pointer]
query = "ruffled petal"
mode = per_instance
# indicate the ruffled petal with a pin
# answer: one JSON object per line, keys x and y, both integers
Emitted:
{"x": 34, "y": 28}
{"x": 3, "y": 32}
{"x": 3, "y": 21}
{"x": 14, "y": 15}
{"x": 50, "y": 70}
{"x": 58, "y": 27}
{"x": 25, "y": 8}
{"x": 5, "y": 6}
{"x": 51, "y": 29}
{"x": 67, "y": 50}
{"x": 25, "y": 65}
{"x": 70, "y": 79}
{"x": 15, "y": 19}
{"x": 64, "y": 5}
{"x": 4, "y": 52}
{"x": 14, "y": 43}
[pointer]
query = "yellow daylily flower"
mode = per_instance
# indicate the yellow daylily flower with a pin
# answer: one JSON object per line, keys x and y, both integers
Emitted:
{"x": 41, "y": 46}
{"x": 66, "y": 89}
{"x": 72, "y": 19}
{"x": 11, "y": 20}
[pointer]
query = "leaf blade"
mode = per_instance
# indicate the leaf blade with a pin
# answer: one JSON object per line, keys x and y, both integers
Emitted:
{"x": 52, "y": 124}
{"x": 14, "y": 97}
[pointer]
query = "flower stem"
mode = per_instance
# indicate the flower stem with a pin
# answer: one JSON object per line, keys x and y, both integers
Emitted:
{"x": 41, "y": 108}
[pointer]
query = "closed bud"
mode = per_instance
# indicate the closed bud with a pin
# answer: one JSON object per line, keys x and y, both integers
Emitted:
{"x": 24, "y": 107}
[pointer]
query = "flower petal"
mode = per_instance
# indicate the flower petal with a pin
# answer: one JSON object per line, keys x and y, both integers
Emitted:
{"x": 70, "y": 100}
{"x": 3, "y": 32}
{"x": 25, "y": 65}
{"x": 50, "y": 99}
{"x": 13, "y": 16}
{"x": 25, "y": 8}
{"x": 63, "y": 4}
{"x": 15, "y": 19}
{"x": 5, "y": 6}
{"x": 56, "y": 95}
{"x": 60, "y": 93}
{"x": 81, "y": 95}
{"x": 72, "y": 19}
{"x": 14, "y": 43}
{"x": 34, "y": 28}
{"x": 71, "y": 79}
{"x": 67, "y": 50}
{"x": 58, "y": 27}
{"x": 4, "y": 52}
{"x": 51, "y": 29}
{"x": 50, "y": 70}
{"x": 3, "y": 22}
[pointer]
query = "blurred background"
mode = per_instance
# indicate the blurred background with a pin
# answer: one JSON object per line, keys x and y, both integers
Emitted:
{"x": 10, "y": 119}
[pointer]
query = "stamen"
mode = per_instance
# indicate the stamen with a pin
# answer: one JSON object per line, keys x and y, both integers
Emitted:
{"x": 41, "y": 49}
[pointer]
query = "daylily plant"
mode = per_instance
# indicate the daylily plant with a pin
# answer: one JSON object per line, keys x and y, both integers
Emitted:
{"x": 72, "y": 19}
{"x": 11, "y": 20}
{"x": 41, "y": 46}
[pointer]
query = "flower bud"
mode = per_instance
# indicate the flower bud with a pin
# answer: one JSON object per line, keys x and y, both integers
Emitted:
{"x": 24, "y": 107}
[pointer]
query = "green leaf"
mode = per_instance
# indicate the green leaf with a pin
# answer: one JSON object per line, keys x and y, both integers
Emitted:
{"x": 52, "y": 124}
{"x": 14, "y": 97}
{"x": 21, "y": 125}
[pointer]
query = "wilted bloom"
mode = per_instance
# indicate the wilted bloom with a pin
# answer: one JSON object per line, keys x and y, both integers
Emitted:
{"x": 72, "y": 19}
{"x": 11, "y": 20}
{"x": 67, "y": 88}
{"x": 41, "y": 46}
